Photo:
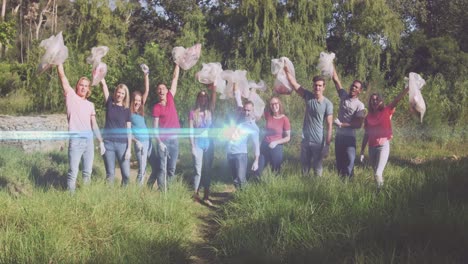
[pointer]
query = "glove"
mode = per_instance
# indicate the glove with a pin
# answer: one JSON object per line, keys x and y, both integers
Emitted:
{"x": 361, "y": 158}
{"x": 325, "y": 151}
{"x": 144, "y": 68}
{"x": 128, "y": 154}
{"x": 272, "y": 145}
{"x": 102, "y": 148}
{"x": 255, "y": 166}
{"x": 337, "y": 122}
{"x": 139, "y": 146}
{"x": 162, "y": 147}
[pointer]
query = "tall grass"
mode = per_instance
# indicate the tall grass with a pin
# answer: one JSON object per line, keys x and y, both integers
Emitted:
{"x": 40, "y": 222}
{"x": 420, "y": 216}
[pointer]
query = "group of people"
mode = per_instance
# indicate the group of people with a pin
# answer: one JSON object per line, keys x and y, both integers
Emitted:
{"x": 125, "y": 123}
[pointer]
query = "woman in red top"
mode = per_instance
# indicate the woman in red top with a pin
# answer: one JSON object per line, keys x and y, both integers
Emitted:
{"x": 277, "y": 132}
{"x": 378, "y": 132}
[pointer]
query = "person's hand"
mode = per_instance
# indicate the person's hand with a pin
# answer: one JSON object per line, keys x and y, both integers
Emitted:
{"x": 325, "y": 150}
{"x": 139, "y": 146}
{"x": 162, "y": 147}
{"x": 102, "y": 148}
{"x": 273, "y": 144}
{"x": 337, "y": 122}
{"x": 144, "y": 68}
{"x": 255, "y": 165}
{"x": 361, "y": 159}
{"x": 128, "y": 153}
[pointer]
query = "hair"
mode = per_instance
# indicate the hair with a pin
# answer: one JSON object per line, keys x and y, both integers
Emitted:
{"x": 88, "y": 94}
{"x": 318, "y": 78}
{"x": 249, "y": 102}
{"x": 281, "y": 108}
{"x": 126, "y": 100}
{"x": 201, "y": 109}
{"x": 380, "y": 97}
{"x": 358, "y": 81}
{"x": 141, "y": 110}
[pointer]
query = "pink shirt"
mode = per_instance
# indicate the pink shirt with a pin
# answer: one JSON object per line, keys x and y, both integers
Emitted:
{"x": 167, "y": 114}
{"x": 378, "y": 126}
{"x": 275, "y": 127}
{"x": 79, "y": 113}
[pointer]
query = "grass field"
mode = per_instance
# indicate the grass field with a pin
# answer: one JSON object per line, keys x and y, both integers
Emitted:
{"x": 421, "y": 215}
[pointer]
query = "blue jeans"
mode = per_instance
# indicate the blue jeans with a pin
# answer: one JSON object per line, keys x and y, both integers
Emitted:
{"x": 164, "y": 164}
{"x": 311, "y": 157}
{"x": 142, "y": 158}
{"x": 345, "y": 151}
{"x": 116, "y": 150}
{"x": 274, "y": 157}
{"x": 202, "y": 161}
{"x": 79, "y": 149}
{"x": 378, "y": 157}
{"x": 238, "y": 165}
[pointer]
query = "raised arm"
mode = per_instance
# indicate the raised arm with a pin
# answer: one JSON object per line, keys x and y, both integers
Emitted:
{"x": 105, "y": 90}
{"x": 145, "y": 94}
{"x": 212, "y": 88}
{"x": 398, "y": 98}
{"x": 175, "y": 79}
{"x": 293, "y": 82}
{"x": 63, "y": 80}
{"x": 337, "y": 81}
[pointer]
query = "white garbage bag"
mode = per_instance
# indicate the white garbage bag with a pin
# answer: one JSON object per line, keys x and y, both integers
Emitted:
{"x": 240, "y": 78}
{"x": 259, "y": 105}
{"x": 56, "y": 52}
{"x": 186, "y": 58}
{"x": 417, "y": 104}
{"x": 325, "y": 64}
{"x": 281, "y": 84}
{"x": 99, "y": 68}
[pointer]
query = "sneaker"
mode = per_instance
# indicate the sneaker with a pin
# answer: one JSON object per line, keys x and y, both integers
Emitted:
{"x": 207, "y": 202}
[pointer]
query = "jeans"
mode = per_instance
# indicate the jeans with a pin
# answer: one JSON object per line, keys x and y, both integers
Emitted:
{"x": 116, "y": 150}
{"x": 345, "y": 151}
{"x": 238, "y": 165}
{"x": 202, "y": 161}
{"x": 311, "y": 156}
{"x": 378, "y": 157}
{"x": 142, "y": 158}
{"x": 272, "y": 156}
{"x": 165, "y": 164}
{"x": 79, "y": 149}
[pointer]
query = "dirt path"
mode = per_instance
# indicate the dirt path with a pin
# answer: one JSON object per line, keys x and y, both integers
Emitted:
{"x": 204, "y": 252}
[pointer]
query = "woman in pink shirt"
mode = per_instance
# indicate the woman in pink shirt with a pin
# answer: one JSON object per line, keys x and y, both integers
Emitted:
{"x": 378, "y": 132}
{"x": 277, "y": 132}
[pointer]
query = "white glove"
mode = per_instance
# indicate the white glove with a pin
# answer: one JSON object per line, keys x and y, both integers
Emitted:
{"x": 362, "y": 158}
{"x": 128, "y": 154}
{"x": 139, "y": 146}
{"x": 337, "y": 122}
{"x": 102, "y": 148}
{"x": 272, "y": 145}
{"x": 255, "y": 166}
{"x": 325, "y": 151}
{"x": 144, "y": 68}
{"x": 162, "y": 147}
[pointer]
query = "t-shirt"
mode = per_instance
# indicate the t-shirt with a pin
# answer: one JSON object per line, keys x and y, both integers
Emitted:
{"x": 167, "y": 115}
{"x": 245, "y": 130}
{"x": 201, "y": 136}
{"x": 314, "y": 117}
{"x": 139, "y": 129}
{"x": 79, "y": 113}
{"x": 378, "y": 126}
{"x": 275, "y": 127}
{"x": 116, "y": 122}
{"x": 350, "y": 108}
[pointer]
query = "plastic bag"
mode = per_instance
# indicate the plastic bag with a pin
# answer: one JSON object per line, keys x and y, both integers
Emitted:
{"x": 261, "y": 86}
{"x": 186, "y": 58}
{"x": 56, "y": 52}
{"x": 259, "y": 105}
{"x": 211, "y": 73}
{"x": 325, "y": 64}
{"x": 417, "y": 104}
{"x": 99, "y": 68}
{"x": 281, "y": 84}
{"x": 240, "y": 78}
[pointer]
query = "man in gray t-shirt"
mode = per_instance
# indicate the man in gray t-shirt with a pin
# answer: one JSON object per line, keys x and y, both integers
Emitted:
{"x": 319, "y": 109}
{"x": 350, "y": 117}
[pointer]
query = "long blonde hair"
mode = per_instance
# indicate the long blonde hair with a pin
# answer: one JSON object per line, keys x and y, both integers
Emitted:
{"x": 126, "y": 100}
